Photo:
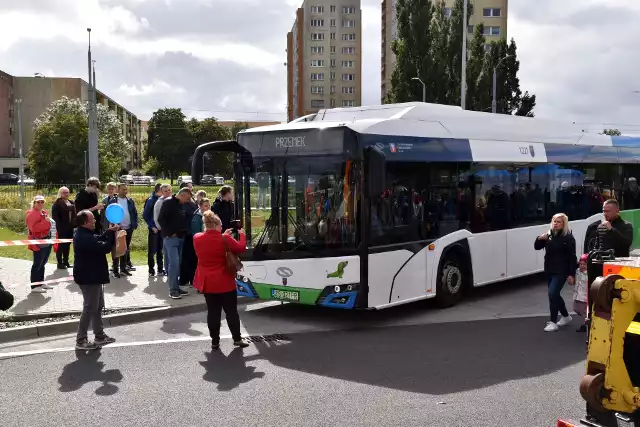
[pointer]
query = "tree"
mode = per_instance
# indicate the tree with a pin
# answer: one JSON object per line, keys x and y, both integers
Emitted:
{"x": 611, "y": 132}
{"x": 209, "y": 130}
{"x": 170, "y": 141}
{"x": 60, "y": 140}
{"x": 237, "y": 127}
{"x": 429, "y": 47}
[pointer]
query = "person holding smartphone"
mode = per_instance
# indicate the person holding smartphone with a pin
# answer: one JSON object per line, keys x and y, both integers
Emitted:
{"x": 559, "y": 266}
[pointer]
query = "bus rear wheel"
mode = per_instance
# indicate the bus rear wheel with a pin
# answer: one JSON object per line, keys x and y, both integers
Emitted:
{"x": 451, "y": 282}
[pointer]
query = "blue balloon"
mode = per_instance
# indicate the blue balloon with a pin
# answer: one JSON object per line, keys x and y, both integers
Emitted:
{"x": 115, "y": 213}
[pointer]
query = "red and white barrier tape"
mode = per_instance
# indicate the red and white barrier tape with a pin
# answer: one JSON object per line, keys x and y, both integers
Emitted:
{"x": 46, "y": 282}
{"x": 34, "y": 242}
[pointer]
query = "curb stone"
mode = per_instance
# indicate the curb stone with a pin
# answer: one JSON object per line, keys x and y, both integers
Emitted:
{"x": 70, "y": 326}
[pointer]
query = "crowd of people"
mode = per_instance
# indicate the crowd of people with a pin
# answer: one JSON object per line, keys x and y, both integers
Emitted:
{"x": 561, "y": 266}
{"x": 190, "y": 241}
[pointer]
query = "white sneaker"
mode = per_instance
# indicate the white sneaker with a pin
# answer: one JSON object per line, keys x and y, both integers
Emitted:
{"x": 564, "y": 321}
{"x": 39, "y": 290}
{"x": 47, "y": 287}
{"x": 551, "y": 327}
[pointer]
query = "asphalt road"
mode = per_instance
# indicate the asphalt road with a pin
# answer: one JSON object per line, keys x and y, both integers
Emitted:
{"x": 486, "y": 362}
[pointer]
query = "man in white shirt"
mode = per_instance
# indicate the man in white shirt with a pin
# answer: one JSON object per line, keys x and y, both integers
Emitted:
{"x": 165, "y": 191}
{"x": 129, "y": 223}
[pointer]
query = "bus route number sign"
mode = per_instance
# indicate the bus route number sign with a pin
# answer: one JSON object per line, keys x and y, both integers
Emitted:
{"x": 285, "y": 295}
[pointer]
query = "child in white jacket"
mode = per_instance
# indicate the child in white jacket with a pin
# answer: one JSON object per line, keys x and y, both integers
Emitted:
{"x": 580, "y": 289}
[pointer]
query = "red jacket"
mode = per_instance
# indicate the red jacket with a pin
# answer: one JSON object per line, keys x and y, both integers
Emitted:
{"x": 212, "y": 276}
{"x": 38, "y": 225}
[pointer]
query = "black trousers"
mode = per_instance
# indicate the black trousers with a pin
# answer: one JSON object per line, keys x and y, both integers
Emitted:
{"x": 188, "y": 262}
{"x": 228, "y": 302}
{"x": 124, "y": 260}
{"x": 62, "y": 255}
{"x": 154, "y": 249}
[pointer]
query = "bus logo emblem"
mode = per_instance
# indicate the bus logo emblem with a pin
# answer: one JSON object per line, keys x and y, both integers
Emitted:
{"x": 284, "y": 272}
{"x": 533, "y": 153}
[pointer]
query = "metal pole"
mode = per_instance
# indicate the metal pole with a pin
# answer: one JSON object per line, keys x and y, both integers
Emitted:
{"x": 86, "y": 175}
{"x": 494, "y": 101}
{"x": 19, "y": 105}
{"x": 93, "y": 136}
{"x": 424, "y": 92}
{"x": 463, "y": 74}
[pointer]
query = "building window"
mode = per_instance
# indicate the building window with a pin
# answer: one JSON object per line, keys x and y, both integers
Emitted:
{"x": 332, "y": 49}
{"x": 491, "y": 12}
{"x": 447, "y": 12}
{"x": 317, "y": 76}
{"x": 333, "y": 89}
{"x": 491, "y": 31}
{"x": 317, "y": 9}
{"x": 470, "y": 29}
{"x": 348, "y": 64}
{"x": 348, "y": 77}
{"x": 348, "y": 89}
{"x": 348, "y": 9}
{"x": 348, "y": 103}
{"x": 333, "y": 9}
{"x": 333, "y": 36}
{"x": 317, "y": 36}
{"x": 317, "y": 89}
{"x": 317, "y": 50}
{"x": 348, "y": 50}
{"x": 333, "y": 22}
{"x": 333, "y": 75}
{"x": 317, "y": 22}
{"x": 349, "y": 37}
{"x": 333, "y": 63}
{"x": 333, "y": 103}
{"x": 317, "y": 62}
{"x": 317, "y": 103}
{"x": 346, "y": 23}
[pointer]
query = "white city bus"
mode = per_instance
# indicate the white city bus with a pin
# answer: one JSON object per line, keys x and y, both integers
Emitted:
{"x": 372, "y": 207}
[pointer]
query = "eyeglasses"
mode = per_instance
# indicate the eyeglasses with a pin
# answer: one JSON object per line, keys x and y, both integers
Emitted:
{"x": 40, "y": 201}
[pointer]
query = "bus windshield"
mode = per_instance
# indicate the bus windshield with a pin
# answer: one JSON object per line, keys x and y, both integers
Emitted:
{"x": 303, "y": 204}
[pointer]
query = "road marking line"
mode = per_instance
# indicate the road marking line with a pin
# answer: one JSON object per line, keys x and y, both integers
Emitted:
{"x": 114, "y": 345}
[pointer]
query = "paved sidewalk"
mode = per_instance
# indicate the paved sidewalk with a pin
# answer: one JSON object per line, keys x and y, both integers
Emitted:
{"x": 138, "y": 291}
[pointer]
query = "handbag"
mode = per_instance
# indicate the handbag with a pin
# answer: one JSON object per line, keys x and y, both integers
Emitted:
{"x": 233, "y": 263}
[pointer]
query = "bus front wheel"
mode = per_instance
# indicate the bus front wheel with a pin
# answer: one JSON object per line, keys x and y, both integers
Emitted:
{"x": 451, "y": 282}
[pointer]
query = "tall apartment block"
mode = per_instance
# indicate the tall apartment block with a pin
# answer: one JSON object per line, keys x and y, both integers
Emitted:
{"x": 492, "y": 13}
{"x": 324, "y": 57}
{"x": 37, "y": 93}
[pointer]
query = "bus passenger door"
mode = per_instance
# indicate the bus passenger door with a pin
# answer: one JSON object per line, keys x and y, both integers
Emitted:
{"x": 488, "y": 256}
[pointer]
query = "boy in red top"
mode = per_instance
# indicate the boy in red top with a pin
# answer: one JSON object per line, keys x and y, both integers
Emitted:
{"x": 214, "y": 280}
{"x": 39, "y": 227}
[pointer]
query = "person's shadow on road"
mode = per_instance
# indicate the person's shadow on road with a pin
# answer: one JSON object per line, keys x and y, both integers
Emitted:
{"x": 87, "y": 368}
{"x": 229, "y": 371}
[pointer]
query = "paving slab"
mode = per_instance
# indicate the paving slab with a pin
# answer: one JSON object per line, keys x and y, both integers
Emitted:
{"x": 136, "y": 292}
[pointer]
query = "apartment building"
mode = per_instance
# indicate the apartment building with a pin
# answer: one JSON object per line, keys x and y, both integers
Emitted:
{"x": 37, "y": 93}
{"x": 492, "y": 13}
{"x": 324, "y": 57}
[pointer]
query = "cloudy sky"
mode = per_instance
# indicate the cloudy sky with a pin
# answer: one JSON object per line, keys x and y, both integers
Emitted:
{"x": 225, "y": 58}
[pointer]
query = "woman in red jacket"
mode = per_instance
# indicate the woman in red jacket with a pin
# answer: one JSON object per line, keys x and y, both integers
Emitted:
{"x": 39, "y": 227}
{"x": 214, "y": 280}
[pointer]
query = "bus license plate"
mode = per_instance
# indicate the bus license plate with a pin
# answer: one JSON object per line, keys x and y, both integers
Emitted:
{"x": 285, "y": 295}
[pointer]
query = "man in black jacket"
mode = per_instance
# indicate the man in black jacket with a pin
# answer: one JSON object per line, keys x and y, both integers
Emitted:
{"x": 91, "y": 272}
{"x": 87, "y": 199}
{"x": 614, "y": 232}
{"x": 173, "y": 225}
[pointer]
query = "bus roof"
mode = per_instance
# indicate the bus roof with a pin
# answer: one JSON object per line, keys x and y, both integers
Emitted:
{"x": 422, "y": 120}
{"x": 418, "y": 131}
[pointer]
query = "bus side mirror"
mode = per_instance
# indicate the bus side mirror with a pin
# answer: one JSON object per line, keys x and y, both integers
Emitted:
{"x": 375, "y": 171}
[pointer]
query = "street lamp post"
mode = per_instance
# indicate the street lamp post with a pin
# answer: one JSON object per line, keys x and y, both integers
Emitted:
{"x": 424, "y": 88}
{"x": 19, "y": 108}
{"x": 463, "y": 74}
{"x": 494, "y": 101}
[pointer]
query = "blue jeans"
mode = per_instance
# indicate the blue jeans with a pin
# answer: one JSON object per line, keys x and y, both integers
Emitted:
{"x": 173, "y": 253}
{"x": 40, "y": 259}
{"x": 556, "y": 303}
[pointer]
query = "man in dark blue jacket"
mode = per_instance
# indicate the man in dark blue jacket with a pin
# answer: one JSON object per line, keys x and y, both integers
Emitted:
{"x": 129, "y": 223}
{"x": 91, "y": 272}
{"x": 154, "y": 240}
